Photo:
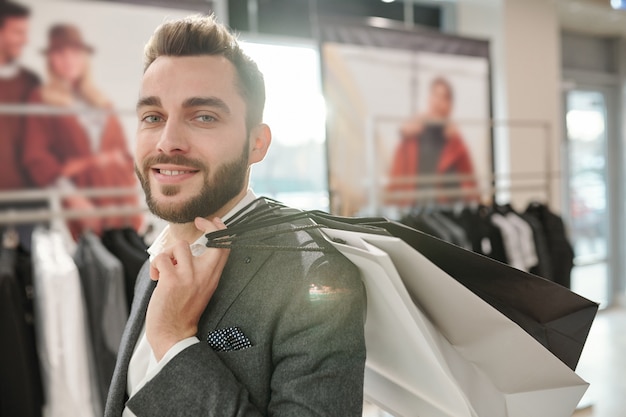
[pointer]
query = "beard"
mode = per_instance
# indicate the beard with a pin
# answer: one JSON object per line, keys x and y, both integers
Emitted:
{"x": 225, "y": 184}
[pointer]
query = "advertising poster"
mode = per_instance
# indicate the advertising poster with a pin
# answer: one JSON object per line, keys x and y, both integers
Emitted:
{"x": 69, "y": 84}
{"x": 408, "y": 118}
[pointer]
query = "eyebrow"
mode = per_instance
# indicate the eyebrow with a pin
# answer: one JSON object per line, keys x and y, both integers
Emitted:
{"x": 148, "y": 101}
{"x": 189, "y": 103}
{"x": 207, "y": 102}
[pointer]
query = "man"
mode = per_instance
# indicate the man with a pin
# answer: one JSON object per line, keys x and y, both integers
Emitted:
{"x": 286, "y": 351}
{"x": 16, "y": 84}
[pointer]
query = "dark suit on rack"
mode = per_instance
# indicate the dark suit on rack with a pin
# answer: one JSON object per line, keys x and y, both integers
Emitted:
{"x": 302, "y": 312}
{"x": 20, "y": 388}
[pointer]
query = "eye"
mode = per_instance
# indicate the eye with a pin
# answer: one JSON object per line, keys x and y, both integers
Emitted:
{"x": 205, "y": 118}
{"x": 152, "y": 118}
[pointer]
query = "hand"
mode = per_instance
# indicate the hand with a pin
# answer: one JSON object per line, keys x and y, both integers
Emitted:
{"x": 412, "y": 127}
{"x": 84, "y": 205}
{"x": 186, "y": 284}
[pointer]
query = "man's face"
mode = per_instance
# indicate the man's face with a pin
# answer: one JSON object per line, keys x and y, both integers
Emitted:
{"x": 192, "y": 154}
{"x": 13, "y": 37}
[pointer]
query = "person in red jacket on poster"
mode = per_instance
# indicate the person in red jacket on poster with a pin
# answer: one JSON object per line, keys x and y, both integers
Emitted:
{"x": 84, "y": 146}
{"x": 16, "y": 84}
{"x": 432, "y": 146}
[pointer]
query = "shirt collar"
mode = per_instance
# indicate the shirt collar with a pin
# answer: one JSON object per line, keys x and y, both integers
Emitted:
{"x": 199, "y": 246}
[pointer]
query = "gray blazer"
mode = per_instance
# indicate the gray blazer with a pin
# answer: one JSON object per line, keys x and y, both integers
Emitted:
{"x": 303, "y": 313}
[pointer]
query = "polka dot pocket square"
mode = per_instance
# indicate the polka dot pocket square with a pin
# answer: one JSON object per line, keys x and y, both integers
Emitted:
{"x": 228, "y": 339}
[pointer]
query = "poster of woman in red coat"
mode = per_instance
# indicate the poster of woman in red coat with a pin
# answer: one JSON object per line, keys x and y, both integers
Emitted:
{"x": 82, "y": 143}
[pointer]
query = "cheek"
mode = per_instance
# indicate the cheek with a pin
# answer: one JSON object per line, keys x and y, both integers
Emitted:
{"x": 142, "y": 149}
{"x": 75, "y": 66}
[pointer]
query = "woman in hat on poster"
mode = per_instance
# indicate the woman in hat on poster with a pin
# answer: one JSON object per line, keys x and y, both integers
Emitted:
{"x": 83, "y": 146}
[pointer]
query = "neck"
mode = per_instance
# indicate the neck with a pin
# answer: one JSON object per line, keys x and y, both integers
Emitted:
{"x": 189, "y": 233}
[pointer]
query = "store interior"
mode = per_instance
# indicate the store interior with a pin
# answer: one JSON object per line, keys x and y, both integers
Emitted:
{"x": 538, "y": 93}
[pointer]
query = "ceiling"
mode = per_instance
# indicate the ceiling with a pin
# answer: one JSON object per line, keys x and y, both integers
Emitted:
{"x": 592, "y": 16}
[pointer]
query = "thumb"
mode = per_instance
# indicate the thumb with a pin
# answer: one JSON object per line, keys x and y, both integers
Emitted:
{"x": 154, "y": 273}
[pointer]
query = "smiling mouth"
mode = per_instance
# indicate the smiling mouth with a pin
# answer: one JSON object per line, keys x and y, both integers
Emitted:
{"x": 173, "y": 173}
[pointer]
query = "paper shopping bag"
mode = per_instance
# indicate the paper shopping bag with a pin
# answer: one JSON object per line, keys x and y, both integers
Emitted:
{"x": 555, "y": 316}
{"x": 436, "y": 348}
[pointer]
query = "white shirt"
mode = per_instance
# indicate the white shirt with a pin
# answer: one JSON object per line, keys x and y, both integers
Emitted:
{"x": 143, "y": 365}
{"x": 9, "y": 70}
{"x": 62, "y": 334}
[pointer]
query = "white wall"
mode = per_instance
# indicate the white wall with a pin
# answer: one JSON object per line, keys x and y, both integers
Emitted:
{"x": 525, "y": 47}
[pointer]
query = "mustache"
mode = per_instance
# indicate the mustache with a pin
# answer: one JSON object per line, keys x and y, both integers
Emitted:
{"x": 173, "y": 160}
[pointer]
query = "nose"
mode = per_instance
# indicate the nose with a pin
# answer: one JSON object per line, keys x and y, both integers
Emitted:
{"x": 173, "y": 138}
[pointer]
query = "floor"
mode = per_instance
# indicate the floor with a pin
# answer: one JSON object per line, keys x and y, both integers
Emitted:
{"x": 603, "y": 365}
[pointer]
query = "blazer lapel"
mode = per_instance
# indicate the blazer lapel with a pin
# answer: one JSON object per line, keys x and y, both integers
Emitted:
{"x": 242, "y": 266}
{"x": 143, "y": 292}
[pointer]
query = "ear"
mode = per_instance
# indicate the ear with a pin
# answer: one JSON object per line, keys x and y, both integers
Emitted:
{"x": 260, "y": 140}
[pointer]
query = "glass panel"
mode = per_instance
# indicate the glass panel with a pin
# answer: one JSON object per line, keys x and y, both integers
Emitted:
{"x": 587, "y": 135}
{"x": 294, "y": 170}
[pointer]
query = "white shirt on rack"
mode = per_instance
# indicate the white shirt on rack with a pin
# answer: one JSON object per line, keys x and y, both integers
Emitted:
{"x": 143, "y": 365}
{"x": 62, "y": 333}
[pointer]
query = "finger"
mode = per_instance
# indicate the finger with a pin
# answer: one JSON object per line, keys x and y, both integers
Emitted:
{"x": 154, "y": 273}
{"x": 181, "y": 257}
{"x": 208, "y": 226}
{"x": 212, "y": 259}
{"x": 163, "y": 264}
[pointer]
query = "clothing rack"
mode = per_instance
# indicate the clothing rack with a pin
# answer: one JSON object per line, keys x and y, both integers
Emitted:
{"x": 431, "y": 195}
{"x": 49, "y": 194}
{"x": 48, "y": 110}
{"x": 10, "y": 216}
{"x": 489, "y": 186}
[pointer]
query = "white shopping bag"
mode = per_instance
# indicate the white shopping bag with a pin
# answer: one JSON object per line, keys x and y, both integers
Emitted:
{"x": 436, "y": 349}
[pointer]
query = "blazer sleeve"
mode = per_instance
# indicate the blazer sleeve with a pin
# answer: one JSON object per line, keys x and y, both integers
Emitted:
{"x": 318, "y": 359}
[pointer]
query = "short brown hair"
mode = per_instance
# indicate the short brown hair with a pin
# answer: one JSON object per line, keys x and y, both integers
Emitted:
{"x": 203, "y": 35}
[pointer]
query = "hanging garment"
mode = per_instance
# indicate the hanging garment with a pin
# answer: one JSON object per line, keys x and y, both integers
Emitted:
{"x": 133, "y": 237}
{"x": 427, "y": 224}
{"x": 459, "y": 237}
{"x": 60, "y": 324}
{"x": 511, "y": 242}
{"x": 526, "y": 240}
{"x": 102, "y": 278}
{"x": 485, "y": 237}
{"x": 561, "y": 251}
{"x": 544, "y": 262}
{"x": 20, "y": 381}
{"x": 125, "y": 244}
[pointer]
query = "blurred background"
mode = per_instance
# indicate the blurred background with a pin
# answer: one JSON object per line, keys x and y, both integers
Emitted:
{"x": 531, "y": 92}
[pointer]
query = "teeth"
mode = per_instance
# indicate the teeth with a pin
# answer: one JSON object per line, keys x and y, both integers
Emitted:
{"x": 173, "y": 173}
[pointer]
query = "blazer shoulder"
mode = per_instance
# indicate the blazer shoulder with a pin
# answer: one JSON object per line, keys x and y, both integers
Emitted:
{"x": 316, "y": 260}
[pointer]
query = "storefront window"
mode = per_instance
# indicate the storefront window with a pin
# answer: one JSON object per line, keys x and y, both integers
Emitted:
{"x": 587, "y": 142}
{"x": 295, "y": 170}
